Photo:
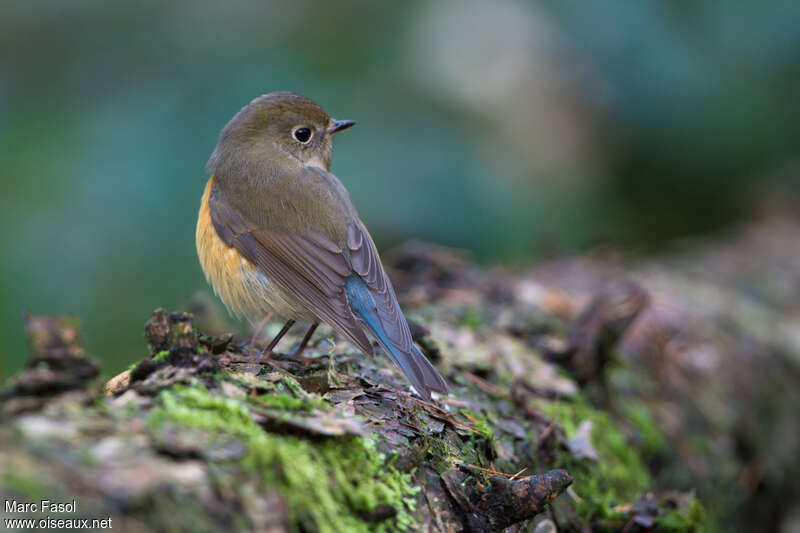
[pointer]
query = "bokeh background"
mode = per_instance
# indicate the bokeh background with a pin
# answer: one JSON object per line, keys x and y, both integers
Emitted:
{"x": 512, "y": 129}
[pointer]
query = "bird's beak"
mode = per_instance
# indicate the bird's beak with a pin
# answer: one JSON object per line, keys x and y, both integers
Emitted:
{"x": 339, "y": 125}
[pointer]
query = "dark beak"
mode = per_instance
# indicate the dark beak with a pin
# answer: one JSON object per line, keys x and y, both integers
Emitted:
{"x": 339, "y": 125}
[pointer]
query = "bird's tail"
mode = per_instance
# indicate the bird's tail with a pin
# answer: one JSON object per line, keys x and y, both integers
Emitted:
{"x": 420, "y": 372}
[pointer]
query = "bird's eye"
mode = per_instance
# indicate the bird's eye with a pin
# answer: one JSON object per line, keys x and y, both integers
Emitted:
{"x": 302, "y": 134}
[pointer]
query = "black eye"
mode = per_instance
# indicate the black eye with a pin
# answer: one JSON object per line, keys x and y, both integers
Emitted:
{"x": 302, "y": 134}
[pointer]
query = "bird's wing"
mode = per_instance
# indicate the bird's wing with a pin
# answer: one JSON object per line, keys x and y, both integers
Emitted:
{"x": 311, "y": 268}
{"x": 343, "y": 288}
{"x": 392, "y": 332}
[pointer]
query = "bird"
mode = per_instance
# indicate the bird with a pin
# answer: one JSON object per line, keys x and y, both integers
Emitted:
{"x": 278, "y": 233}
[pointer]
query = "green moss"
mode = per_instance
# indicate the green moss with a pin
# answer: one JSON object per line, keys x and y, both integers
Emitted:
{"x": 640, "y": 417}
{"x": 292, "y": 386}
{"x": 447, "y": 449}
{"x": 132, "y": 366}
{"x": 29, "y": 488}
{"x": 471, "y": 318}
{"x": 692, "y": 519}
{"x": 328, "y": 484}
{"x": 460, "y": 449}
{"x": 607, "y": 486}
{"x": 289, "y": 395}
{"x": 289, "y": 403}
{"x": 161, "y": 356}
{"x": 479, "y": 421}
{"x": 615, "y": 478}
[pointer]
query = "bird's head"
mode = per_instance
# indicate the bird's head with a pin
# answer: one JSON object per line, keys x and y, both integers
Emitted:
{"x": 279, "y": 127}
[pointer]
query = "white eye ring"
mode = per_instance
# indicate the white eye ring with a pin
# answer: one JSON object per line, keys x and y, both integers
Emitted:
{"x": 302, "y": 134}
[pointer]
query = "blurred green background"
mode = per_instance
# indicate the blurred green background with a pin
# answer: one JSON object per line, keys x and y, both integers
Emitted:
{"x": 508, "y": 128}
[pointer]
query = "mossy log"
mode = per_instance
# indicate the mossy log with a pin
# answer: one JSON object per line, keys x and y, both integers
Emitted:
{"x": 201, "y": 429}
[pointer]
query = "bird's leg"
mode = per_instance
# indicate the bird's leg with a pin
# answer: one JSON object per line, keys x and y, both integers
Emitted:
{"x": 306, "y": 338}
{"x": 257, "y": 331}
{"x": 268, "y": 348}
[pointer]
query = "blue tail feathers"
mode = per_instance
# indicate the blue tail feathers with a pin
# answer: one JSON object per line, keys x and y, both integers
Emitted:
{"x": 415, "y": 366}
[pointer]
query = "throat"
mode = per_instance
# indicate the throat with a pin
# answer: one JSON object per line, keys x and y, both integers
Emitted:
{"x": 317, "y": 161}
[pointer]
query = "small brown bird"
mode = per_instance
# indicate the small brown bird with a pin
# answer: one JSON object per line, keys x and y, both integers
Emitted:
{"x": 278, "y": 233}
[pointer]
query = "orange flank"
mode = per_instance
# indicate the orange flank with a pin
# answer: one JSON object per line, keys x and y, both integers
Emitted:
{"x": 240, "y": 285}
